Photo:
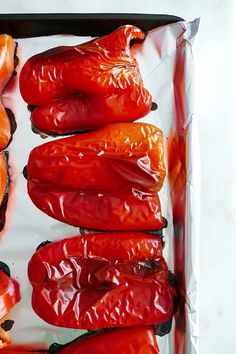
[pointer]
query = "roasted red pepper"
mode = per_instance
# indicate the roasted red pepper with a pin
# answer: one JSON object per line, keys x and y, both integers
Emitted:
{"x": 106, "y": 179}
{"x": 4, "y": 181}
{"x": 7, "y": 65}
{"x": 102, "y": 281}
{"x": 86, "y": 86}
{"x": 9, "y": 293}
{"x": 133, "y": 340}
{"x": 9, "y": 296}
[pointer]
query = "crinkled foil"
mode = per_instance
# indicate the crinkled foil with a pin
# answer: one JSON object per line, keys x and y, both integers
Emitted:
{"x": 166, "y": 64}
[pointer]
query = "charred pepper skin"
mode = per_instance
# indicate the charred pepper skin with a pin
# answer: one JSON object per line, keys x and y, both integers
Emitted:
{"x": 9, "y": 296}
{"x": 7, "y": 66}
{"x": 133, "y": 340}
{"x": 102, "y": 281}
{"x": 86, "y": 86}
{"x": 105, "y": 180}
{"x": 4, "y": 182}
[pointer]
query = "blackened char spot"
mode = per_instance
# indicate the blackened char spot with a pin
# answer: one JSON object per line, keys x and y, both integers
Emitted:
{"x": 11, "y": 119}
{"x": 55, "y": 348}
{"x": 163, "y": 328}
{"x": 3, "y": 205}
{"x": 151, "y": 263}
{"x": 25, "y": 174}
{"x": 156, "y": 232}
{"x": 135, "y": 40}
{"x": 7, "y": 325}
{"x": 165, "y": 222}
{"x": 4, "y": 267}
{"x": 30, "y": 107}
{"x": 3, "y": 208}
{"x": 154, "y": 106}
{"x": 16, "y": 59}
{"x": 42, "y": 244}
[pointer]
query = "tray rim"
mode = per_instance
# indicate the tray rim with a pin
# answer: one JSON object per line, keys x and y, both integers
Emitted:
{"x": 92, "y": 15}
{"x": 27, "y": 25}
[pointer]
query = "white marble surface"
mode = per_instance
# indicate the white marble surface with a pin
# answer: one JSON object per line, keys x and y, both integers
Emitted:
{"x": 214, "y": 53}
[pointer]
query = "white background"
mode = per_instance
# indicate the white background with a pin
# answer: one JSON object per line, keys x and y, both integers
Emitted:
{"x": 214, "y": 77}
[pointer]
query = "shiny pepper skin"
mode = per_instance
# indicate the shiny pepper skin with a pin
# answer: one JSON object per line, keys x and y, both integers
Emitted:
{"x": 7, "y": 53}
{"x": 102, "y": 280}
{"x": 9, "y": 293}
{"x": 9, "y": 296}
{"x": 133, "y": 340}
{"x": 3, "y": 175}
{"x": 86, "y": 86}
{"x": 107, "y": 179}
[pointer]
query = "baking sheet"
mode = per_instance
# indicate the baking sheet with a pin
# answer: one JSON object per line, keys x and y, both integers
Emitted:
{"x": 166, "y": 64}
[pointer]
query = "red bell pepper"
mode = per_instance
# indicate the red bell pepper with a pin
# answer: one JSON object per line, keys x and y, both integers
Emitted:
{"x": 7, "y": 65}
{"x": 106, "y": 179}
{"x": 9, "y": 296}
{"x": 102, "y": 281}
{"x": 4, "y": 181}
{"x": 86, "y": 86}
{"x": 133, "y": 340}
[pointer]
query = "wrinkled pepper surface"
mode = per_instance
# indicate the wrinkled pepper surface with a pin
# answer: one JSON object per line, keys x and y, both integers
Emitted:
{"x": 9, "y": 296}
{"x": 4, "y": 181}
{"x": 86, "y": 86}
{"x": 7, "y": 65}
{"x": 133, "y": 340}
{"x": 107, "y": 179}
{"x": 102, "y": 280}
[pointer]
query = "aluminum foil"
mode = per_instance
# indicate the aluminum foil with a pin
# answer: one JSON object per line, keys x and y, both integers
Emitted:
{"x": 166, "y": 63}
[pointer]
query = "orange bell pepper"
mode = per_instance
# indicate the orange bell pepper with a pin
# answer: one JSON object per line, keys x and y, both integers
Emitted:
{"x": 4, "y": 180}
{"x": 7, "y": 66}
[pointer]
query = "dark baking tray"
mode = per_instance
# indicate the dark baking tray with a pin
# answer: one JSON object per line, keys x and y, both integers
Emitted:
{"x": 32, "y": 25}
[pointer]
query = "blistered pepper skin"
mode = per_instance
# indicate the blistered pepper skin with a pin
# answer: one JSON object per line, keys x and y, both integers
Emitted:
{"x": 117, "y": 157}
{"x": 137, "y": 340}
{"x": 105, "y": 180}
{"x": 102, "y": 281}
{"x": 97, "y": 67}
{"x": 98, "y": 211}
{"x": 86, "y": 86}
{"x": 7, "y": 52}
{"x": 68, "y": 115}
